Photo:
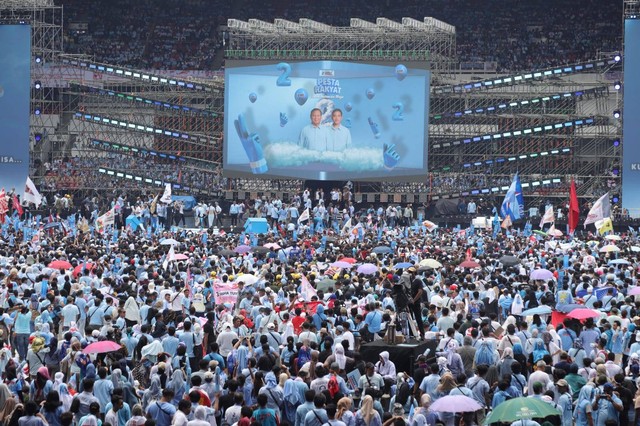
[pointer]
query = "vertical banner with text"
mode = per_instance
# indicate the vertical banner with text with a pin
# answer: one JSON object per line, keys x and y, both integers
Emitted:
{"x": 631, "y": 124}
{"x": 15, "y": 86}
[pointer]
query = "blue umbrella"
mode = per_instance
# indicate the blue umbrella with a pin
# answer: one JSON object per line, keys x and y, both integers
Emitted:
{"x": 402, "y": 265}
{"x": 570, "y": 307}
{"x": 382, "y": 250}
{"x": 540, "y": 310}
{"x": 619, "y": 262}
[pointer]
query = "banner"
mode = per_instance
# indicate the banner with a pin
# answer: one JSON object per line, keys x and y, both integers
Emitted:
{"x": 15, "y": 95}
{"x": 513, "y": 204}
{"x": 630, "y": 123}
{"x": 166, "y": 197}
{"x": 109, "y": 218}
{"x": 225, "y": 292}
{"x": 31, "y": 193}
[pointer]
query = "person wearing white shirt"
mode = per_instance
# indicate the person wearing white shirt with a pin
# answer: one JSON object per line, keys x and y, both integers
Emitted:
{"x": 339, "y": 136}
{"x": 184, "y": 409}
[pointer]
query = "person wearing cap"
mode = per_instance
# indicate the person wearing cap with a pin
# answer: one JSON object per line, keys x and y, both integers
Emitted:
{"x": 565, "y": 402}
{"x": 607, "y": 406}
{"x": 370, "y": 379}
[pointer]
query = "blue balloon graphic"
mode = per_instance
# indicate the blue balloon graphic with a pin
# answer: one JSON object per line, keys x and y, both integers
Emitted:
{"x": 347, "y": 123}
{"x": 370, "y": 93}
{"x": 301, "y": 96}
{"x": 401, "y": 72}
{"x": 253, "y": 97}
{"x": 348, "y": 107}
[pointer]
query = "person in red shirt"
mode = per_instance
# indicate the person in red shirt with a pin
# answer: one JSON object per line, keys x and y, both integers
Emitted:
{"x": 245, "y": 416}
{"x": 297, "y": 321}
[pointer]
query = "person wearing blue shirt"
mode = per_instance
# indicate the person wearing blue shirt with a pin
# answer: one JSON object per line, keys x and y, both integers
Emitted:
{"x": 565, "y": 403}
{"x": 373, "y": 320}
{"x": 171, "y": 342}
{"x": 162, "y": 411}
{"x": 339, "y": 136}
{"x": 314, "y": 135}
{"x": 430, "y": 383}
{"x": 22, "y": 328}
{"x": 567, "y": 337}
{"x": 103, "y": 389}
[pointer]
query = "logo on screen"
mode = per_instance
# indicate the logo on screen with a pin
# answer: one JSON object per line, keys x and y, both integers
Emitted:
{"x": 327, "y": 73}
{"x": 635, "y": 167}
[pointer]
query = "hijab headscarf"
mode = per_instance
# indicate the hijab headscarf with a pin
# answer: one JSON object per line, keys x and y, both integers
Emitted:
{"x": 116, "y": 378}
{"x": 5, "y": 394}
{"x": 366, "y": 409}
{"x": 177, "y": 383}
{"x": 200, "y": 413}
{"x": 341, "y": 359}
{"x": 344, "y": 405}
{"x": 7, "y": 409}
{"x": 291, "y": 394}
{"x": 447, "y": 383}
{"x": 90, "y": 420}
{"x": 270, "y": 380}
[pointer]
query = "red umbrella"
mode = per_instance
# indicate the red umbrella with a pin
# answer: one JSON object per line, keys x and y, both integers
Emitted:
{"x": 181, "y": 256}
{"x": 469, "y": 264}
{"x": 60, "y": 264}
{"x": 78, "y": 269}
{"x": 583, "y": 314}
{"x": 102, "y": 347}
{"x": 348, "y": 260}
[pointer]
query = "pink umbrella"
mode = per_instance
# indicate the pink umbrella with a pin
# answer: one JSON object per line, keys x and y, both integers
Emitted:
{"x": 181, "y": 256}
{"x": 583, "y": 314}
{"x": 343, "y": 265}
{"x": 102, "y": 347}
{"x": 541, "y": 274}
{"x": 348, "y": 260}
{"x": 367, "y": 269}
{"x": 634, "y": 291}
{"x": 469, "y": 264}
{"x": 274, "y": 246}
{"x": 60, "y": 264}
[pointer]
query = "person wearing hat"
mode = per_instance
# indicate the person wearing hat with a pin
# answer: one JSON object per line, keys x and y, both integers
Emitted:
{"x": 370, "y": 379}
{"x": 565, "y": 402}
{"x": 606, "y": 406}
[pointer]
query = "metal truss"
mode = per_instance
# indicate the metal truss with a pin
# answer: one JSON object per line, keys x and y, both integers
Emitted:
{"x": 429, "y": 40}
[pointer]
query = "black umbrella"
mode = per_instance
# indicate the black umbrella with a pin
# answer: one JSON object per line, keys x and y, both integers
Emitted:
{"x": 508, "y": 260}
{"x": 260, "y": 250}
{"x": 227, "y": 253}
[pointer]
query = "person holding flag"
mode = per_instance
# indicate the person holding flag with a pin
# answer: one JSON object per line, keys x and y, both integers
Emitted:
{"x": 513, "y": 204}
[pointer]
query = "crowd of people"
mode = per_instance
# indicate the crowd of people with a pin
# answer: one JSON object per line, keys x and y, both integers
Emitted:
{"x": 521, "y": 36}
{"x": 110, "y": 326}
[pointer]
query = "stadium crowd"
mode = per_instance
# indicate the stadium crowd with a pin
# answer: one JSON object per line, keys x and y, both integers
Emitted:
{"x": 113, "y": 325}
{"x": 516, "y": 35}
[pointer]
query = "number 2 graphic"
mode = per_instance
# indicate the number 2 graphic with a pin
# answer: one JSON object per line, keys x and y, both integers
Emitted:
{"x": 284, "y": 79}
{"x": 399, "y": 114}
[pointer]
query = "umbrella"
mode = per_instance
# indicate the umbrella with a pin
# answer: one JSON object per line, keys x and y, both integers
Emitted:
{"x": 169, "y": 242}
{"x": 403, "y": 265}
{"x": 609, "y": 248}
{"x": 367, "y": 269}
{"x": 78, "y": 269}
{"x": 634, "y": 291}
{"x": 634, "y": 248}
{"x": 60, "y": 264}
{"x": 469, "y": 264}
{"x": 248, "y": 279}
{"x": 325, "y": 284}
{"x": 613, "y": 237}
{"x": 509, "y": 260}
{"x": 455, "y": 404}
{"x": 382, "y": 250}
{"x": 102, "y": 347}
{"x": 619, "y": 262}
{"x": 274, "y": 246}
{"x": 180, "y": 256}
{"x": 540, "y": 310}
{"x": 570, "y": 307}
{"x": 242, "y": 249}
{"x": 541, "y": 274}
{"x": 521, "y": 408}
{"x": 331, "y": 239}
{"x": 340, "y": 264}
{"x": 260, "y": 250}
{"x": 348, "y": 260}
{"x": 554, "y": 232}
{"x": 583, "y": 314}
{"x": 431, "y": 263}
{"x": 227, "y": 253}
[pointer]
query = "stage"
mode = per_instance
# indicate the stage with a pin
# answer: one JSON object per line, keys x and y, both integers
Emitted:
{"x": 403, "y": 355}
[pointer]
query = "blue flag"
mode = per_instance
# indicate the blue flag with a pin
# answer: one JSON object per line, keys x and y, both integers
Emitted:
{"x": 527, "y": 229}
{"x": 379, "y": 233}
{"x": 513, "y": 204}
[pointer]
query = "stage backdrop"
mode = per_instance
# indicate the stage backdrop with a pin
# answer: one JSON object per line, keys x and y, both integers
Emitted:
{"x": 15, "y": 82}
{"x": 383, "y": 134}
{"x": 631, "y": 124}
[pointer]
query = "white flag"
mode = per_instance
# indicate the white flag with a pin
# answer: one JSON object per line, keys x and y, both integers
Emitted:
{"x": 304, "y": 216}
{"x": 601, "y": 209}
{"x": 548, "y": 217}
{"x": 171, "y": 256}
{"x": 31, "y": 194}
{"x": 109, "y": 218}
{"x": 306, "y": 290}
{"x": 166, "y": 197}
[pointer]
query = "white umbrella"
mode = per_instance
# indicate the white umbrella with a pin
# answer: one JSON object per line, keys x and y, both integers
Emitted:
{"x": 169, "y": 242}
{"x": 247, "y": 279}
{"x": 635, "y": 248}
{"x": 609, "y": 248}
{"x": 613, "y": 237}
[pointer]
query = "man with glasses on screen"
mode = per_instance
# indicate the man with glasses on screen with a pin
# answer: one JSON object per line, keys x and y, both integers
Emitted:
{"x": 314, "y": 136}
{"x": 339, "y": 136}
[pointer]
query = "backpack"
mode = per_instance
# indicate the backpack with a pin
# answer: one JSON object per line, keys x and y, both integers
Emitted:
{"x": 634, "y": 369}
{"x": 332, "y": 386}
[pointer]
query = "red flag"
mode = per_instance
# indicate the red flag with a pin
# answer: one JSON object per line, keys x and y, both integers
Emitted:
{"x": 574, "y": 209}
{"x": 468, "y": 255}
{"x": 16, "y": 205}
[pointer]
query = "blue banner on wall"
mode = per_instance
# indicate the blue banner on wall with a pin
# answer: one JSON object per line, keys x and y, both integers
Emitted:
{"x": 15, "y": 86}
{"x": 631, "y": 124}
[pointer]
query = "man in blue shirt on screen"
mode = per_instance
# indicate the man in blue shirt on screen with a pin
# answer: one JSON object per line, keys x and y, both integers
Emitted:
{"x": 339, "y": 136}
{"x": 314, "y": 136}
